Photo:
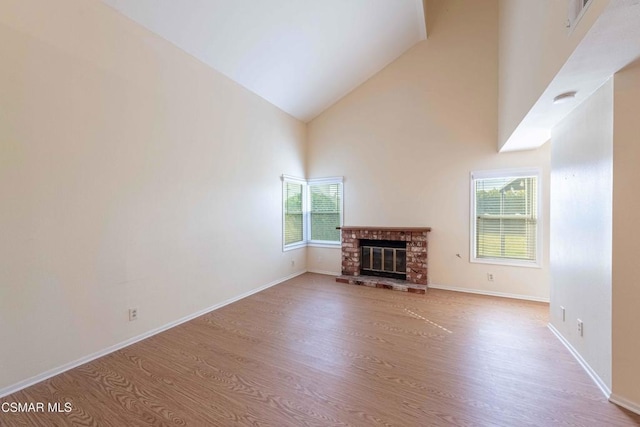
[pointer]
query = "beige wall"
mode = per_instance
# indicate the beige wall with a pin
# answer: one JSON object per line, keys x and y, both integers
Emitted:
{"x": 408, "y": 138}
{"x": 594, "y": 235}
{"x": 581, "y": 229}
{"x": 131, "y": 175}
{"x": 534, "y": 43}
{"x": 626, "y": 235}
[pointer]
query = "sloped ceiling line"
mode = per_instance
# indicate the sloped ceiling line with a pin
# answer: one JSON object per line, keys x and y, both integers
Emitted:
{"x": 300, "y": 55}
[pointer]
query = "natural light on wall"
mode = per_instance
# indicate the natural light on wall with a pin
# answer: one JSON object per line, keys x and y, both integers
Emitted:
{"x": 505, "y": 225}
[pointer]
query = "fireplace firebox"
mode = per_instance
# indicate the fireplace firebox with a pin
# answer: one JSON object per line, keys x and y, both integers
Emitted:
{"x": 384, "y": 258}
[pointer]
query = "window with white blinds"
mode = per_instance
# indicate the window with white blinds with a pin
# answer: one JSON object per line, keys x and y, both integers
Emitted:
{"x": 312, "y": 211}
{"x": 293, "y": 212}
{"x": 325, "y": 212}
{"x": 505, "y": 217}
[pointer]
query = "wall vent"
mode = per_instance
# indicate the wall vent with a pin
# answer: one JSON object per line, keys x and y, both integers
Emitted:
{"x": 576, "y": 10}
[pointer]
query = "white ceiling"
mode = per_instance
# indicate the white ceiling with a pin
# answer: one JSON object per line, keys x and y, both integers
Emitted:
{"x": 300, "y": 55}
{"x": 612, "y": 43}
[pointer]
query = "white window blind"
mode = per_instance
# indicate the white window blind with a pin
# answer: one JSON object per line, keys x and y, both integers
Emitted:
{"x": 325, "y": 211}
{"x": 505, "y": 217}
{"x": 311, "y": 212}
{"x": 293, "y": 212}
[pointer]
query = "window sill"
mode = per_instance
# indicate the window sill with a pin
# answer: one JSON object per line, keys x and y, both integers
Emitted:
{"x": 314, "y": 244}
{"x": 507, "y": 262}
{"x": 293, "y": 246}
{"x": 321, "y": 244}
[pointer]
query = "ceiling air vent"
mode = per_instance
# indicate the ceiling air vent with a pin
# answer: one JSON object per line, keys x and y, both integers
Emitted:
{"x": 576, "y": 10}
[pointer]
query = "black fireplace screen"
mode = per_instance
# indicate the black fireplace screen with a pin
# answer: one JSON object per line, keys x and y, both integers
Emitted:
{"x": 387, "y": 258}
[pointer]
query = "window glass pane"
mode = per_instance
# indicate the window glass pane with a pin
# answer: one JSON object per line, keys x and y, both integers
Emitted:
{"x": 366, "y": 258}
{"x": 401, "y": 261}
{"x": 388, "y": 260}
{"x": 326, "y": 203}
{"x": 377, "y": 259}
{"x": 506, "y": 218}
{"x": 293, "y": 215}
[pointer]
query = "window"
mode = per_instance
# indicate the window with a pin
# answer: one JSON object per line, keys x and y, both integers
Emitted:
{"x": 311, "y": 211}
{"x": 325, "y": 210}
{"x": 505, "y": 225}
{"x": 293, "y": 212}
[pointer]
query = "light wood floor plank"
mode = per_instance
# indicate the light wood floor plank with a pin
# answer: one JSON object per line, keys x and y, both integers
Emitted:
{"x": 312, "y": 352}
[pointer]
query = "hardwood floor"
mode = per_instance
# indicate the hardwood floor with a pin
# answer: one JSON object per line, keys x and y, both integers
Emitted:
{"x": 312, "y": 352}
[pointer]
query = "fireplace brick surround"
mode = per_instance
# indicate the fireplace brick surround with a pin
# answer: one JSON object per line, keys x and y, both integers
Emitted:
{"x": 417, "y": 250}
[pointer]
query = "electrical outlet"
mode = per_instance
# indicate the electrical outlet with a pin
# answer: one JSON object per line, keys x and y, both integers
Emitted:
{"x": 490, "y": 277}
{"x": 133, "y": 314}
{"x": 562, "y": 310}
{"x": 293, "y": 263}
{"x": 580, "y": 328}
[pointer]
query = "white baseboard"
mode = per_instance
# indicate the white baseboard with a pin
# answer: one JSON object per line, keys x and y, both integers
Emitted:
{"x": 60, "y": 369}
{"x": 594, "y": 376}
{"x": 627, "y": 404}
{"x": 488, "y": 293}
{"x": 325, "y": 272}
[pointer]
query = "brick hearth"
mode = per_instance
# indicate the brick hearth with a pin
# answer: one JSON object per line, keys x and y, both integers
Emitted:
{"x": 416, "y": 238}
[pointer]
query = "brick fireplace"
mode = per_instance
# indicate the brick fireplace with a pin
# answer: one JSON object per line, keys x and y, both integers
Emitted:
{"x": 415, "y": 263}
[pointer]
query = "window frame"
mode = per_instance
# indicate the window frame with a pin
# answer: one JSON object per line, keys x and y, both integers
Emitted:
{"x": 299, "y": 244}
{"x": 507, "y": 173}
{"x": 325, "y": 181}
{"x": 306, "y": 211}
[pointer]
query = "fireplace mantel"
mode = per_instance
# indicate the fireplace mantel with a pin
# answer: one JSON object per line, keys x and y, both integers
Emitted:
{"x": 416, "y": 253}
{"x": 405, "y": 229}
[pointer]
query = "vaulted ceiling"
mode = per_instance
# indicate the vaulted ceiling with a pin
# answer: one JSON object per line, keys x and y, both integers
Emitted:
{"x": 300, "y": 55}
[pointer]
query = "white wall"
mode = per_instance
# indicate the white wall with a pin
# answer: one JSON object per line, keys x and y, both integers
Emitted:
{"x": 594, "y": 237}
{"x": 407, "y": 139}
{"x": 581, "y": 228}
{"x": 534, "y": 44}
{"x": 131, "y": 175}
{"x": 626, "y": 238}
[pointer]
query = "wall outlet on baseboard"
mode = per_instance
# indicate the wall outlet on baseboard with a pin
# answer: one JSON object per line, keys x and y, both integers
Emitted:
{"x": 133, "y": 314}
{"x": 580, "y": 328}
{"x": 490, "y": 277}
{"x": 293, "y": 263}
